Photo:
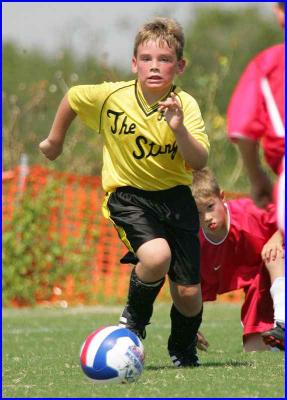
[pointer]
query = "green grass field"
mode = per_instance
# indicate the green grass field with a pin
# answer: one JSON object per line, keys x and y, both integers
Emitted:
{"x": 41, "y": 357}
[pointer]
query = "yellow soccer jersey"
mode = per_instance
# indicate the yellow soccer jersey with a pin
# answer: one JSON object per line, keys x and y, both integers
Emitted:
{"x": 140, "y": 149}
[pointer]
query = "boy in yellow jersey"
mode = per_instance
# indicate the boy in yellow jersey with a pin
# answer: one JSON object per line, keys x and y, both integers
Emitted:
{"x": 154, "y": 136}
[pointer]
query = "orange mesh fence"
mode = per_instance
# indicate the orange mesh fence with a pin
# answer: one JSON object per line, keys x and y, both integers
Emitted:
{"x": 79, "y": 206}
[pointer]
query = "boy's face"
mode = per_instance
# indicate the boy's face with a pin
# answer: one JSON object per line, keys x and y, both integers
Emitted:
{"x": 156, "y": 66}
{"x": 212, "y": 214}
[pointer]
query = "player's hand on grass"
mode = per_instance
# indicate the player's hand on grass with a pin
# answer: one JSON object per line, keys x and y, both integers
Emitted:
{"x": 172, "y": 111}
{"x": 51, "y": 149}
{"x": 202, "y": 343}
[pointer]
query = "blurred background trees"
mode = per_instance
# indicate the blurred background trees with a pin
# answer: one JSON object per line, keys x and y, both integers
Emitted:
{"x": 219, "y": 43}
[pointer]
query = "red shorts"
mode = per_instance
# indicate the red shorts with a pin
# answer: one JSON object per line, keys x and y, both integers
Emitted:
{"x": 257, "y": 313}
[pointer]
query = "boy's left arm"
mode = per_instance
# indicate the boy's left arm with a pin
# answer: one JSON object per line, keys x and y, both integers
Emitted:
{"x": 190, "y": 149}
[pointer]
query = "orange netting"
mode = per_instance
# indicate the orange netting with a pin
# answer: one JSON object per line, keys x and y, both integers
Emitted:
{"x": 80, "y": 202}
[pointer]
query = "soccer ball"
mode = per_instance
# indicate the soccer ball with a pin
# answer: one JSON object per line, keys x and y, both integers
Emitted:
{"x": 112, "y": 354}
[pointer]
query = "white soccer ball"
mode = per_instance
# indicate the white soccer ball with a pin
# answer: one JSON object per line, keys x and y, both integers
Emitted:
{"x": 112, "y": 354}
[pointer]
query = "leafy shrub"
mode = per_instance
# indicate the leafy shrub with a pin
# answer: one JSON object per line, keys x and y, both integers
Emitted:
{"x": 35, "y": 258}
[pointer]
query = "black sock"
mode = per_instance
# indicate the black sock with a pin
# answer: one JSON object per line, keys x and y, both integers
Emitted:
{"x": 183, "y": 329}
{"x": 141, "y": 297}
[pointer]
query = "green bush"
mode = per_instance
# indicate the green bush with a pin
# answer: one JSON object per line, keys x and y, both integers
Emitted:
{"x": 35, "y": 259}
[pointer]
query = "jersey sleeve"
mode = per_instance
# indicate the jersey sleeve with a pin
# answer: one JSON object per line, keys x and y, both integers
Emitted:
{"x": 246, "y": 112}
{"x": 194, "y": 123}
{"x": 87, "y": 102}
{"x": 269, "y": 220}
{"x": 258, "y": 222}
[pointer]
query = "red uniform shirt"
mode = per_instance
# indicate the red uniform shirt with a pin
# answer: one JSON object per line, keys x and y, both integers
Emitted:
{"x": 256, "y": 109}
{"x": 236, "y": 262}
{"x": 279, "y": 198}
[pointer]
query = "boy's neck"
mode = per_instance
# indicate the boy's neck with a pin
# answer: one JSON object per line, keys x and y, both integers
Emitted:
{"x": 217, "y": 237}
{"x": 152, "y": 97}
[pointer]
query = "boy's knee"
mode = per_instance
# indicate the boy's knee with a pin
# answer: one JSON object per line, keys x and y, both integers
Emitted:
{"x": 155, "y": 256}
{"x": 157, "y": 266}
{"x": 254, "y": 342}
{"x": 188, "y": 299}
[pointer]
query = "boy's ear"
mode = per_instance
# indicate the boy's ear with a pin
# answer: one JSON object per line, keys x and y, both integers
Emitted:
{"x": 181, "y": 66}
{"x": 134, "y": 65}
{"x": 222, "y": 195}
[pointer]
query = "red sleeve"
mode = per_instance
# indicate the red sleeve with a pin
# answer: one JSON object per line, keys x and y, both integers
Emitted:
{"x": 246, "y": 111}
{"x": 258, "y": 222}
{"x": 269, "y": 220}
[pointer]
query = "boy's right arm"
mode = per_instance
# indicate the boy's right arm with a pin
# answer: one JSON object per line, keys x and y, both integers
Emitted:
{"x": 261, "y": 186}
{"x": 52, "y": 146}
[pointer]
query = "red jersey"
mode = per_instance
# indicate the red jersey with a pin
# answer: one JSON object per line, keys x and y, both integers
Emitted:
{"x": 279, "y": 199}
{"x": 256, "y": 109}
{"x": 236, "y": 262}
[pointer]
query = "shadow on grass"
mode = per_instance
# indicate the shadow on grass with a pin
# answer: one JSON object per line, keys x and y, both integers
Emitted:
{"x": 233, "y": 364}
{"x": 228, "y": 364}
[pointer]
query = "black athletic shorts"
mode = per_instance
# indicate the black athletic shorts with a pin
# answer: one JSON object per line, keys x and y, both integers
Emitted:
{"x": 140, "y": 216}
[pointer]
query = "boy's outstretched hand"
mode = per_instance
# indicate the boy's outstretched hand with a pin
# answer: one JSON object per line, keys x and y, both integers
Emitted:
{"x": 51, "y": 149}
{"x": 172, "y": 111}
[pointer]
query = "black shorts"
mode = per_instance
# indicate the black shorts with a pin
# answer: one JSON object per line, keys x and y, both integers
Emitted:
{"x": 140, "y": 216}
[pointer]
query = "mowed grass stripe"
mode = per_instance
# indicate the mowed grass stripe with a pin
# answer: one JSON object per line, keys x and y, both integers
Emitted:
{"x": 41, "y": 357}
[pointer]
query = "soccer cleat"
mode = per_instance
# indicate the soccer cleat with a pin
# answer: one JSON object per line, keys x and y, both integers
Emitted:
{"x": 184, "y": 358}
{"x": 127, "y": 321}
{"x": 275, "y": 337}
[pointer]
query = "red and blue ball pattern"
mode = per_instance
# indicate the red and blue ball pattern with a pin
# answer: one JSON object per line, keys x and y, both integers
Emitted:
{"x": 112, "y": 354}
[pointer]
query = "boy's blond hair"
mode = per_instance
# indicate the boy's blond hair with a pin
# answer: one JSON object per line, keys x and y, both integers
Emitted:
{"x": 204, "y": 184}
{"x": 165, "y": 30}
